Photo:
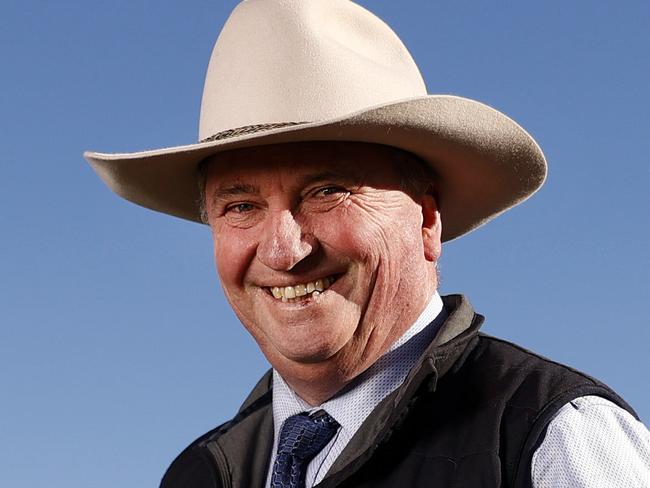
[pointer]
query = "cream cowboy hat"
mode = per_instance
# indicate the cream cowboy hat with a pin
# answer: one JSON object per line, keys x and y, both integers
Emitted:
{"x": 328, "y": 70}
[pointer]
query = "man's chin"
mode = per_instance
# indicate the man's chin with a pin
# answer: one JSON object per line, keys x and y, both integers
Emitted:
{"x": 311, "y": 356}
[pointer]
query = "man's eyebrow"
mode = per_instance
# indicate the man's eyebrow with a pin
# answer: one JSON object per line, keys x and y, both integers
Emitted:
{"x": 337, "y": 176}
{"x": 236, "y": 189}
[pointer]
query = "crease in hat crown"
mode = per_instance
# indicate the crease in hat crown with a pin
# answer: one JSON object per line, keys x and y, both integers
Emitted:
{"x": 285, "y": 61}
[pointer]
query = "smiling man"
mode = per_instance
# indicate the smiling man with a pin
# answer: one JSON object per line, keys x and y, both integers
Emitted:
{"x": 323, "y": 256}
{"x": 329, "y": 179}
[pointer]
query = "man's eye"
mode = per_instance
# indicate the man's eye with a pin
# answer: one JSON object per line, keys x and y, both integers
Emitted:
{"x": 329, "y": 190}
{"x": 240, "y": 208}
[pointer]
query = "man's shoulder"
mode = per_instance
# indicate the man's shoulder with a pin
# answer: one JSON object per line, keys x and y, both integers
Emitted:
{"x": 529, "y": 379}
{"x": 511, "y": 355}
{"x": 203, "y": 463}
{"x": 192, "y": 467}
{"x": 472, "y": 366}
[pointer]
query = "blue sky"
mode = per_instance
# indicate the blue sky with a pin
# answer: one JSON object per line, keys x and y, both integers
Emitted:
{"x": 117, "y": 347}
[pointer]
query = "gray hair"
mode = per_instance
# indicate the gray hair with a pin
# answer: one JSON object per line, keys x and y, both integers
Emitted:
{"x": 200, "y": 178}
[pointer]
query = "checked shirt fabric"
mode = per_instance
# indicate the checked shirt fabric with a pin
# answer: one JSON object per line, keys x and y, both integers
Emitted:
{"x": 301, "y": 438}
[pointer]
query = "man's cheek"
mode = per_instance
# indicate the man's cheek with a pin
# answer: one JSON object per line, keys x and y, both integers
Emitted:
{"x": 231, "y": 260}
{"x": 360, "y": 245}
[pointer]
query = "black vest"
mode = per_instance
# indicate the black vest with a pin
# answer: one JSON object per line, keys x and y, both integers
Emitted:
{"x": 470, "y": 414}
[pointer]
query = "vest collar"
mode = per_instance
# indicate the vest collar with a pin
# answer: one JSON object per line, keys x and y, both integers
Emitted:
{"x": 453, "y": 341}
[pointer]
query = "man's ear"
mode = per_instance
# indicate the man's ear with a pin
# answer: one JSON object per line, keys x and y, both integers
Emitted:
{"x": 431, "y": 227}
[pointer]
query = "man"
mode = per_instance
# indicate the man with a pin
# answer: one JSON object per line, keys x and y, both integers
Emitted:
{"x": 329, "y": 179}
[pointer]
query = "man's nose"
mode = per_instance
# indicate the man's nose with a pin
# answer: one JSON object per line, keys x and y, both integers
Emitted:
{"x": 282, "y": 243}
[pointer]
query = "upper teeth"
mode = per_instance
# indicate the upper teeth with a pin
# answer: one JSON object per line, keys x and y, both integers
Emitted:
{"x": 287, "y": 292}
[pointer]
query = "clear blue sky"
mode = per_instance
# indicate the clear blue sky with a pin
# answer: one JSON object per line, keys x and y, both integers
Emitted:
{"x": 117, "y": 347}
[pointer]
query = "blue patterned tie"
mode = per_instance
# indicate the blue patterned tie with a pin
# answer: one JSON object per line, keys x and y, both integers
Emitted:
{"x": 301, "y": 438}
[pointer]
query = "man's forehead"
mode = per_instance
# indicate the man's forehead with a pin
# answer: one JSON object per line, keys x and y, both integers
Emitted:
{"x": 305, "y": 162}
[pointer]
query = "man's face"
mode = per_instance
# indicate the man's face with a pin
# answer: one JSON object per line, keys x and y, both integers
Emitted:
{"x": 322, "y": 256}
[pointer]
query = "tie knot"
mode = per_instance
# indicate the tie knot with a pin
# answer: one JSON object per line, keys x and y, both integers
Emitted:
{"x": 302, "y": 437}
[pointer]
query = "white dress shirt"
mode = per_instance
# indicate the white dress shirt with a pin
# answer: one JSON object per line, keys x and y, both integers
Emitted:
{"x": 590, "y": 443}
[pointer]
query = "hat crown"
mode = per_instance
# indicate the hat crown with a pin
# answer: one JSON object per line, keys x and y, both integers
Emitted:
{"x": 279, "y": 61}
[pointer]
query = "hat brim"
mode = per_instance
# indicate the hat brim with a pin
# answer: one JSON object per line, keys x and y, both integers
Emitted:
{"x": 485, "y": 163}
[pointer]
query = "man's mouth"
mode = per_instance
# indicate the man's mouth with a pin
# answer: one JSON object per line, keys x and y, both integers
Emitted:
{"x": 302, "y": 291}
